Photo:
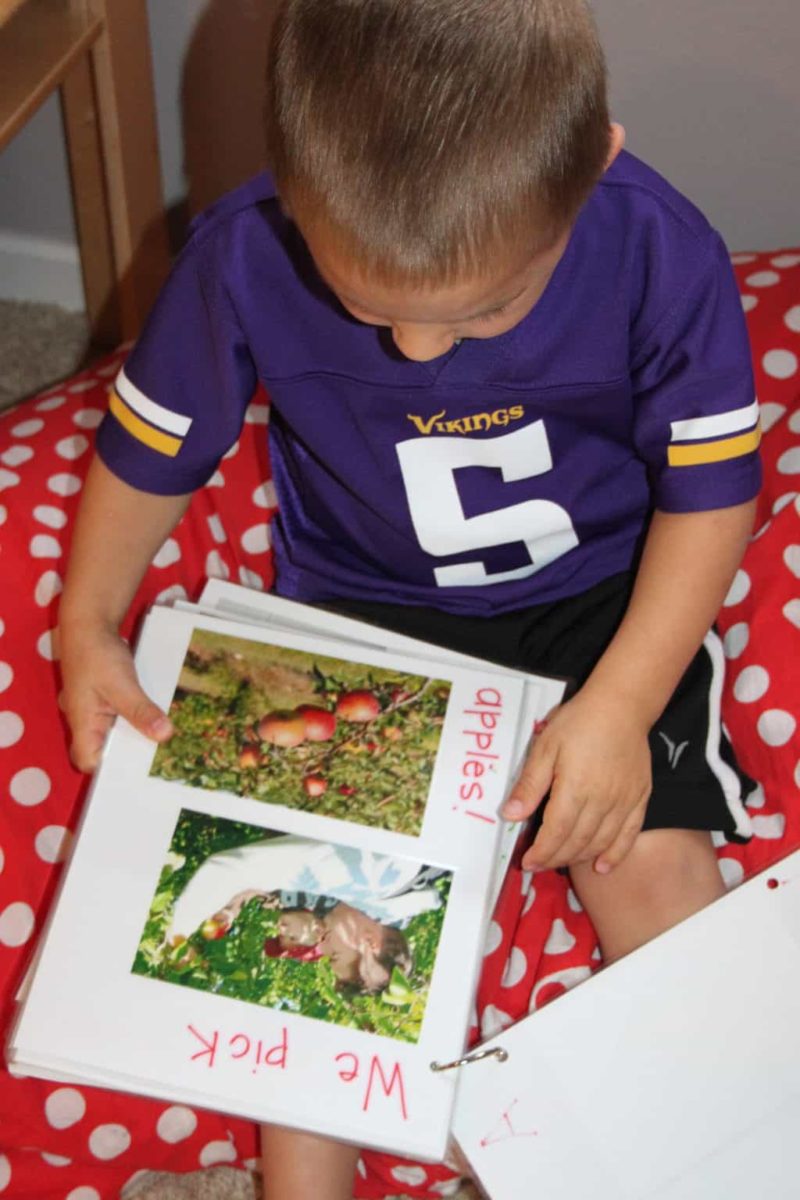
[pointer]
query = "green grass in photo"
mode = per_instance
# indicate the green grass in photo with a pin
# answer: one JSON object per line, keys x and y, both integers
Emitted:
{"x": 364, "y": 751}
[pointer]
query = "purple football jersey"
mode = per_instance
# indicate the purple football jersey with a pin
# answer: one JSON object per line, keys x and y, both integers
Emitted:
{"x": 514, "y": 470}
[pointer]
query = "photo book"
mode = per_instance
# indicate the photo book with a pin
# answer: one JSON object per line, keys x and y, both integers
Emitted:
{"x": 281, "y": 911}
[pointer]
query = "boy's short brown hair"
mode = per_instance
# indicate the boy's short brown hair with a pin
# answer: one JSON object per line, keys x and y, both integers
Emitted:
{"x": 431, "y": 135}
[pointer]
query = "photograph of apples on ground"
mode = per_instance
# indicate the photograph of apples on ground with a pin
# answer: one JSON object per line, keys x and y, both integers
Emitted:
{"x": 325, "y": 735}
{"x": 294, "y": 924}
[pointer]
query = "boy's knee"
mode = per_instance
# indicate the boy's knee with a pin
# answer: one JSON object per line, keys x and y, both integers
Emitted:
{"x": 669, "y": 875}
{"x": 669, "y": 866}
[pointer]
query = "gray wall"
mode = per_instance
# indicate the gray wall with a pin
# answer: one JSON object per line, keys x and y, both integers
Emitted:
{"x": 34, "y": 192}
{"x": 709, "y": 91}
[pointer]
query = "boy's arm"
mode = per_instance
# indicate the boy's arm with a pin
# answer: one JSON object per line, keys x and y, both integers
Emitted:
{"x": 594, "y": 755}
{"x": 117, "y": 533}
{"x": 231, "y": 910}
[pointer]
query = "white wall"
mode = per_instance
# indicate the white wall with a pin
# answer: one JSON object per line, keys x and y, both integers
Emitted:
{"x": 709, "y": 91}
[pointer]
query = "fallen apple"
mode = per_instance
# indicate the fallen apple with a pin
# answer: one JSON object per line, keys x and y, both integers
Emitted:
{"x": 315, "y": 785}
{"x": 320, "y": 725}
{"x": 358, "y": 706}
{"x": 212, "y": 929}
{"x": 249, "y": 756}
{"x": 284, "y": 729}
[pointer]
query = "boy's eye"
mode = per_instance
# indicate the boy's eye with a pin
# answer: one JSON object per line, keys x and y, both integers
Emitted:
{"x": 492, "y": 313}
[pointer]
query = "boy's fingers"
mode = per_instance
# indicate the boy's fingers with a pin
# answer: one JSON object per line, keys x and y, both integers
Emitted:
{"x": 128, "y": 700}
{"x": 87, "y": 743}
{"x": 607, "y": 833}
{"x": 577, "y": 842}
{"x": 531, "y": 786}
{"x": 90, "y": 725}
{"x": 623, "y": 843}
{"x": 558, "y": 827}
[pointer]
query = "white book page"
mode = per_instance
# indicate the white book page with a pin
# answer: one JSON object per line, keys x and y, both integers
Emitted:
{"x": 673, "y": 1074}
{"x": 88, "y": 1017}
{"x": 274, "y": 610}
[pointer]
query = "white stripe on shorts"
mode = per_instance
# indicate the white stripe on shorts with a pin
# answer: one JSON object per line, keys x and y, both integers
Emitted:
{"x": 726, "y": 776}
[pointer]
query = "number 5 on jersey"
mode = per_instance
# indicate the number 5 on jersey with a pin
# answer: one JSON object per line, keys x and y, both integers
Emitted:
{"x": 429, "y": 468}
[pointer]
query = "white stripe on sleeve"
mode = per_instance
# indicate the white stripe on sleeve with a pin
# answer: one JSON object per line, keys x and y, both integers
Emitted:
{"x": 711, "y": 427}
{"x": 162, "y": 418}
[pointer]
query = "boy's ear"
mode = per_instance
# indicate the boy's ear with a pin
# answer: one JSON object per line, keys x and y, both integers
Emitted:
{"x": 617, "y": 141}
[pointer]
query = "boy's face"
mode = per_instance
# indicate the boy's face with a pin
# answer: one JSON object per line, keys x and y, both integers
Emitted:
{"x": 426, "y": 323}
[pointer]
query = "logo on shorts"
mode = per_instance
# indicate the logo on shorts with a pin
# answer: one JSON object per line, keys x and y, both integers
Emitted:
{"x": 674, "y": 749}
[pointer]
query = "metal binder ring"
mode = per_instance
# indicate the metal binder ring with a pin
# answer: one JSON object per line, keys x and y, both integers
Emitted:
{"x": 490, "y": 1052}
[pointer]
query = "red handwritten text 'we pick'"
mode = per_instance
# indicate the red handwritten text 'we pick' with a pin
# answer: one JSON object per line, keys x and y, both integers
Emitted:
{"x": 377, "y": 1078}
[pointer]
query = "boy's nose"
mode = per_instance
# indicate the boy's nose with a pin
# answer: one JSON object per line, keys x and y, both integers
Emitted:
{"x": 421, "y": 344}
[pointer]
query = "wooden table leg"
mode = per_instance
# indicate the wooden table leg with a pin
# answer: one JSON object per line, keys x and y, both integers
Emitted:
{"x": 126, "y": 108}
{"x": 87, "y": 176}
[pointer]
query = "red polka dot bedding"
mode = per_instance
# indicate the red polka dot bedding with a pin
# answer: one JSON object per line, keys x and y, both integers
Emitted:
{"x": 62, "y": 1142}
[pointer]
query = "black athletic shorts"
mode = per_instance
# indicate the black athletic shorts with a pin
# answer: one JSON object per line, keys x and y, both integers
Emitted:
{"x": 697, "y": 783}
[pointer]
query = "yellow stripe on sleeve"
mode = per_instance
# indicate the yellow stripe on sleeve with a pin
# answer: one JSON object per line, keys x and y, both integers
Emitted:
{"x": 154, "y": 438}
{"x": 710, "y": 452}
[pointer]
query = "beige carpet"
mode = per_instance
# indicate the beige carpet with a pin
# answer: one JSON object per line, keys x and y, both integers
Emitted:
{"x": 217, "y": 1183}
{"x": 41, "y": 344}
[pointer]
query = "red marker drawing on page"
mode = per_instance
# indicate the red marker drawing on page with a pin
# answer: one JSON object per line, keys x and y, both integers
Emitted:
{"x": 504, "y": 1129}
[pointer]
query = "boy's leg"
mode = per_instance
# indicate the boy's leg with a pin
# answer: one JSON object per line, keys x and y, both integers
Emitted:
{"x": 668, "y": 875}
{"x": 303, "y": 1166}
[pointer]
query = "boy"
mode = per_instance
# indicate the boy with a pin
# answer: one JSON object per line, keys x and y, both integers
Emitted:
{"x": 287, "y": 867}
{"x": 362, "y": 951}
{"x": 512, "y": 411}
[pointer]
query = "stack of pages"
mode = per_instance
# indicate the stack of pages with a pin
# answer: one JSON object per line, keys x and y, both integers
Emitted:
{"x": 280, "y": 912}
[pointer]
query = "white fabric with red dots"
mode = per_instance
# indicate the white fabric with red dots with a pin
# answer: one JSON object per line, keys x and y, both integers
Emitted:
{"x": 60, "y": 1142}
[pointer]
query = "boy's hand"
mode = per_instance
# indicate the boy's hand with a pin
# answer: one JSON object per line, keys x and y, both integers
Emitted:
{"x": 100, "y": 684}
{"x": 595, "y": 761}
